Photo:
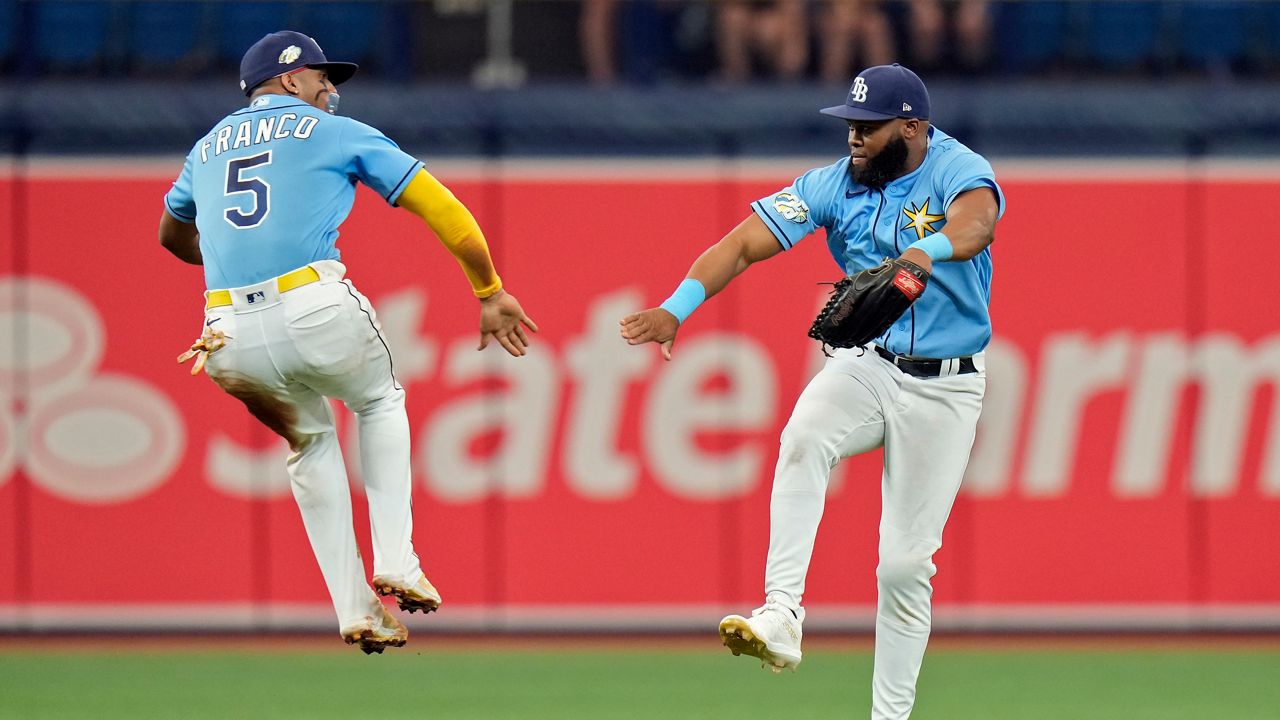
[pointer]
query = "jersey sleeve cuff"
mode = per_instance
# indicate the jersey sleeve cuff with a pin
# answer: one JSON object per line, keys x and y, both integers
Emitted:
{"x": 394, "y": 195}
{"x": 176, "y": 214}
{"x": 982, "y": 182}
{"x": 772, "y": 223}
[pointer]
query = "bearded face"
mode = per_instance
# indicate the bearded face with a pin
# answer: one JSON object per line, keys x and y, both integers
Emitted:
{"x": 882, "y": 168}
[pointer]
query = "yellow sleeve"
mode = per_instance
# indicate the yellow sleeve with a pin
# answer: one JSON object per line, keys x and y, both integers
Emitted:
{"x": 450, "y": 220}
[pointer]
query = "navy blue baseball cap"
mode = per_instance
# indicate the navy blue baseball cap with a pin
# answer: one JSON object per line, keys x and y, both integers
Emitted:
{"x": 281, "y": 52}
{"x": 884, "y": 92}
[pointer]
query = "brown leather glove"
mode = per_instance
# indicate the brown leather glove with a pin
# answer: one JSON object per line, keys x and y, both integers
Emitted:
{"x": 209, "y": 342}
{"x": 863, "y": 306}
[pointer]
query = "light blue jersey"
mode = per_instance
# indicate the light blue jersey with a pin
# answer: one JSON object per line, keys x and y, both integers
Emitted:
{"x": 865, "y": 226}
{"x": 270, "y": 184}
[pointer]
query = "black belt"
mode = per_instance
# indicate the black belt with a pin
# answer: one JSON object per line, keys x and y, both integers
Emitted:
{"x": 927, "y": 368}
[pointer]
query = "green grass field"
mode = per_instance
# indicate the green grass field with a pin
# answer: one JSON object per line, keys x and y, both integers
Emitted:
{"x": 446, "y": 679}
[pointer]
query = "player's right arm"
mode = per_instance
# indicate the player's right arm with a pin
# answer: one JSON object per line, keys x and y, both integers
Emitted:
{"x": 178, "y": 233}
{"x": 180, "y": 238}
{"x": 779, "y": 221}
{"x": 745, "y": 245}
{"x": 748, "y": 243}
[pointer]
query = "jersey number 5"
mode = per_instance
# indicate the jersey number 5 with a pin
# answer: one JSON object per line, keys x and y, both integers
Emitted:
{"x": 238, "y": 182}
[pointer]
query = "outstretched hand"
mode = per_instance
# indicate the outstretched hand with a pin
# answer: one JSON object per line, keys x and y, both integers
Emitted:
{"x": 502, "y": 319}
{"x": 652, "y": 325}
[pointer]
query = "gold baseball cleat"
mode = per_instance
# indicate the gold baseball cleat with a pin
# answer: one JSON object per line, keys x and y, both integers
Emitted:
{"x": 422, "y": 595}
{"x": 737, "y": 634}
{"x": 376, "y": 635}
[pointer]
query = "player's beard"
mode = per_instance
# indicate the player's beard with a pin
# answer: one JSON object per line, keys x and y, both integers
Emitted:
{"x": 883, "y": 167}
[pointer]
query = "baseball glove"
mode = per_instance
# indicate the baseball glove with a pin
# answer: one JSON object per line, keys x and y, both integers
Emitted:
{"x": 209, "y": 342}
{"x": 863, "y": 306}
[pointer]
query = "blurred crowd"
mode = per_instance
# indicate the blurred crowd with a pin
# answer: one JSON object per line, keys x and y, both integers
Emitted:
{"x": 651, "y": 41}
{"x": 827, "y": 40}
{"x": 794, "y": 39}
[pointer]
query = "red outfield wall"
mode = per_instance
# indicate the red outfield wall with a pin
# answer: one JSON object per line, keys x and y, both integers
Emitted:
{"x": 1129, "y": 455}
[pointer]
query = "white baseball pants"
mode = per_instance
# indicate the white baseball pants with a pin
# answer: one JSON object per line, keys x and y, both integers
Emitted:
{"x": 858, "y": 402}
{"x": 285, "y": 355}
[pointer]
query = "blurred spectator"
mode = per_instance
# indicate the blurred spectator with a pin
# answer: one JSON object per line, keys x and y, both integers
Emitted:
{"x": 776, "y": 34}
{"x": 854, "y": 30}
{"x": 597, "y": 30}
{"x": 625, "y": 40}
{"x": 968, "y": 41}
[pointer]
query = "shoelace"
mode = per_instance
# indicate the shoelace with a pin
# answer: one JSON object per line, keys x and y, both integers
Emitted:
{"x": 787, "y": 613}
{"x": 770, "y": 605}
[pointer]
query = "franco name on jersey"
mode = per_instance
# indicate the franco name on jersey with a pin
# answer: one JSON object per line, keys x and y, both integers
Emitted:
{"x": 256, "y": 131}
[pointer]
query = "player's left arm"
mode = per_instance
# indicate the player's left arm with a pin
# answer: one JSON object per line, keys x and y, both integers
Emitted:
{"x": 180, "y": 238}
{"x": 456, "y": 228}
{"x": 501, "y": 317}
{"x": 970, "y": 228}
{"x": 379, "y": 163}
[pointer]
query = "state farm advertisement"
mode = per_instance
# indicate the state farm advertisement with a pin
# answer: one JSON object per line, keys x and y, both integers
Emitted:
{"x": 1128, "y": 454}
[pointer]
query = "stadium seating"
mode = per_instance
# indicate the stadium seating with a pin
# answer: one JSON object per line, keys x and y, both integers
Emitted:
{"x": 8, "y": 29}
{"x": 348, "y": 31}
{"x": 164, "y": 33}
{"x": 1125, "y": 34}
{"x": 1030, "y": 36}
{"x": 241, "y": 24}
{"x": 1212, "y": 33}
{"x": 70, "y": 34}
{"x": 1268, "y": 23}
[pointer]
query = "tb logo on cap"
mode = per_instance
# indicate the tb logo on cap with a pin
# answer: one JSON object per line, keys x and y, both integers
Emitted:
{"x": 859, "y": 91}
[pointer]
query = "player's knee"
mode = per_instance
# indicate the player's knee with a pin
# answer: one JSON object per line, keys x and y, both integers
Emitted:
{"x": 301, "y": 443}
{"x": 904, "y": 572}
{"x": 804, "y": 446}
{"x": 308, "y": 448}
{"x": 390, "y": 402}
{"x": 905, "y": 590}
{"x": 304, "y": 444}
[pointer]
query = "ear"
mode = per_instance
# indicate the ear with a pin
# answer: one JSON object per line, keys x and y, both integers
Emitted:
{"x": 289, "y": 84}
{"x": 911, "y": 128}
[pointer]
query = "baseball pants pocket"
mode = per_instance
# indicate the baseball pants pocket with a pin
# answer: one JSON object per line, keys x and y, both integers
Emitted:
{"x": 327, "y": 339}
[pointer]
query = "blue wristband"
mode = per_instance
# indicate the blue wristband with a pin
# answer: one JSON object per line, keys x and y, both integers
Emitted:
{"x": 687, "y": 297}
{"x": 937, "y": 246}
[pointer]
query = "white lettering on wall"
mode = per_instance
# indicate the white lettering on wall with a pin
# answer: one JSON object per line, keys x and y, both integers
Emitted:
{"x": 1230, "y": 375}
{"x": 247, "y": 472}
{"x": 991, "y": 462}
{"x": 1151, "y": 413}
{"x": 1073, "y": 369}
{"x": 603, "y": 367}
{"x": 678, "y": 409}
{"x": 114, "y": 439}
{"x": 83, "y": 435}
{"x": 60, "y": 332}
{"x": 524, "y": 412}
{"x": 108, "y": 438}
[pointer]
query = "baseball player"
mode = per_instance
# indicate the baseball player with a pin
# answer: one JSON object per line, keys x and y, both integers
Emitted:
{"x": 907, "y": 190}
{"x": 258, "y": 204}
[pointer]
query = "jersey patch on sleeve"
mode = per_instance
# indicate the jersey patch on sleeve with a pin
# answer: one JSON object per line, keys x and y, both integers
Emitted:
{"x": 791, "y": 208}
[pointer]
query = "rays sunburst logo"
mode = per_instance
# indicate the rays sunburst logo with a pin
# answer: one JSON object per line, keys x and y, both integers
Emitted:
{"x": 920, "y": 219}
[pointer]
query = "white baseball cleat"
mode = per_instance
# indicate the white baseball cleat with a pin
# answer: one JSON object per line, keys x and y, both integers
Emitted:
{"x": 772, "y": 633}
{"x": 377, "y": 632}
{"x": 421, "y": 595}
